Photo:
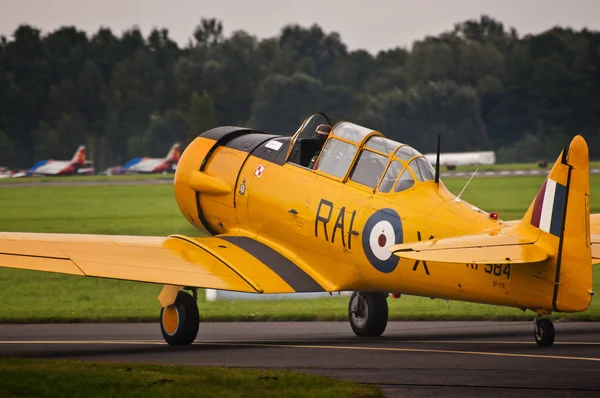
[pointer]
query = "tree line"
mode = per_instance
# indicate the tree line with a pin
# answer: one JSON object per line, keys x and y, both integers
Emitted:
{"x": 480, "y": 86}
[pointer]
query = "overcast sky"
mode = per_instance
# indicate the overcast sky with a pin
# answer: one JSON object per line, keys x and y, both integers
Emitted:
{"x": 368, "y": 24}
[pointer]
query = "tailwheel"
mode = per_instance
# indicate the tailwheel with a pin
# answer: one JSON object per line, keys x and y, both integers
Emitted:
{"x": 179, "y": 321}
{"x": 368, "y": 313}
{"x": 543, "y": 332}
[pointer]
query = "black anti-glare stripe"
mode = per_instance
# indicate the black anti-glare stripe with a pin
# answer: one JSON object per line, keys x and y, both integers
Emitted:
{"x": 249, "y": 141}
{"x": 219, "y": 132}
{"x": 293, "y": 275}
{"x": 190, "y": 241}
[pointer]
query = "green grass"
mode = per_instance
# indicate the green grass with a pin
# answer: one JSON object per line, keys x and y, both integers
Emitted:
{"x": 125, "y": 210}
{"x": 29, "y": 296}
{"x": 151, "y": 177}
{"x": 132, "y": 177}
{"x": 510, "y": 196}
{"x": 511, "y": 166}
{"x": 152, "y": 210}
{"x": 43, "y": 378}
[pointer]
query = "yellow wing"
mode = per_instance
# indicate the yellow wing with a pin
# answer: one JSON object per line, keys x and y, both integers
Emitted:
{"x": 480, "y": 249}
{"x": 225, "y": 262}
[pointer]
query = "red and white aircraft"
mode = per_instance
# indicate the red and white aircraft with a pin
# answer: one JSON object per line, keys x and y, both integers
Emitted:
{"x": 57, "y": 167}
{"x": 150, "y": 165}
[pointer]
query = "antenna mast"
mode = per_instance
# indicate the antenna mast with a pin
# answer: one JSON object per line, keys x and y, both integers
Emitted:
{"x": 437, "y": 163}
{"x": 466, "y": 185}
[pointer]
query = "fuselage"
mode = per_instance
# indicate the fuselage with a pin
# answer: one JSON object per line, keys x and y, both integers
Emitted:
{"x": 341, "y": 229}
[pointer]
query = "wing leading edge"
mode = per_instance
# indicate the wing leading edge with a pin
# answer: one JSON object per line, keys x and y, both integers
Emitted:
{"x": 234, "y": 263}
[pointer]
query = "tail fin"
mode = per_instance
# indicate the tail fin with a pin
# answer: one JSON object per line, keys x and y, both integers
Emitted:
{"x": 560, "y": 214}
{"x": 79, "y": 157}
{"x": 174, "y": 153}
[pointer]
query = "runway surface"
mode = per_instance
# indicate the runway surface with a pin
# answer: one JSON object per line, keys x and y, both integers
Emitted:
{"x": 411, "y": 359}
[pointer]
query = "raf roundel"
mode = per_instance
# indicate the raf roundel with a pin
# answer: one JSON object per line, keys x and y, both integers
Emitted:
{"x": 382, "y": 230}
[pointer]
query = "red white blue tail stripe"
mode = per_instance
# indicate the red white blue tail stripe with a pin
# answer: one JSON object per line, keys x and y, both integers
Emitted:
{"x": 549, "y": 206}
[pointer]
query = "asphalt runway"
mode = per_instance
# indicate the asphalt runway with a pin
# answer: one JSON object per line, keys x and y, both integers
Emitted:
{"x": 412, "y": 359}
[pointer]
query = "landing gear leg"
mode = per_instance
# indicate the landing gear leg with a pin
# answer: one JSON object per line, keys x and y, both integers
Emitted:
{"x": 368, "y": 313}
{"x": 543, "y": 331}
{"x": 179, "y": 322}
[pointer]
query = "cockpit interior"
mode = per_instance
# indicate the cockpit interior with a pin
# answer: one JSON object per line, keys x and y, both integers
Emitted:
{"x": 362, "y": 155}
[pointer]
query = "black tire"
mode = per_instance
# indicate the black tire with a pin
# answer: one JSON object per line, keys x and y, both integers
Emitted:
{"x": 544, "y": 333}
{"x": 185, "y": 330}
{"x": 368, "y": 314}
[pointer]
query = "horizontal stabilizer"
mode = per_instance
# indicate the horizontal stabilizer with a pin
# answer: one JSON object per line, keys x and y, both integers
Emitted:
{"x": 595, "y": 225}
{"x": 479, "y": 249}
{"x": 595, "y": 239}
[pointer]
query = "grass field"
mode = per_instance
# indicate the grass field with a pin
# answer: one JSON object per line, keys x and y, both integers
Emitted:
{"x": 43, "y": 378}
{"x": 153, "y": 177}
{"x": 512, "y": 166}
{"x": 132, "y": 177}
{"x": 125, "y": 210}
{"x": 29, "y": 296}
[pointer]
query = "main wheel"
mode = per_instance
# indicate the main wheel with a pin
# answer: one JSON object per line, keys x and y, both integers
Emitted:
{"x": 179, "y": 322}
{"x": 544, "y": 332}
{"x": 368, "y": 314}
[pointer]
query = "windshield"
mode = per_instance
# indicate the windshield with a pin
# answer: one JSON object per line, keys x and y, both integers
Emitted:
{"x": 336, "y": 158}
{"x": 369, "y": 168}
{"x": 390, "y": 176}
{"x": 422, "y": 169}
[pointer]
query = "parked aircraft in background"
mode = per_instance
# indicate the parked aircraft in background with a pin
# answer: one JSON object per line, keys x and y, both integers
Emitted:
{"x": 150, "y": 165}
{"x": 5, "y": 172}
{"x": 372, "y": 217}
{"x": 463, "y": 158}
{"x": 57, "y": 167}
{"x": 88, "y": 168}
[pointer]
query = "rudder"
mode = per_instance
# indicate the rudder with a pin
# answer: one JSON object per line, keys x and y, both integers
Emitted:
{"x": 174, "y": 153}
{"x": 560, "y": 215}
{"x": 79, "y": 156}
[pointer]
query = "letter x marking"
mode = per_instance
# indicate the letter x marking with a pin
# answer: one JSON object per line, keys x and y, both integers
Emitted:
{"x": 418, "y": 261}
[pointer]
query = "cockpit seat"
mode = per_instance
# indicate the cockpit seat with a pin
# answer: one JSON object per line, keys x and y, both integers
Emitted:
{"x": 303, "y": 151}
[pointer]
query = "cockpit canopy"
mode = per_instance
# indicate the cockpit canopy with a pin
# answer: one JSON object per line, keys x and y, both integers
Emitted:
{"x": 366, "y": 157}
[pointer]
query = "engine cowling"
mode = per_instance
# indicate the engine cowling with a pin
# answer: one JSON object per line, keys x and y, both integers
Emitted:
{"x": 207, "y": 176}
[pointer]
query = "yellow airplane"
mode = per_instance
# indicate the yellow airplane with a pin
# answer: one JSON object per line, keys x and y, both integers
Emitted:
{"x": 372, "y": 218}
